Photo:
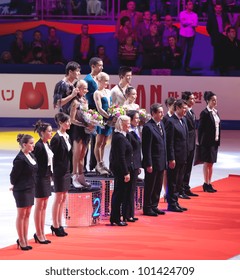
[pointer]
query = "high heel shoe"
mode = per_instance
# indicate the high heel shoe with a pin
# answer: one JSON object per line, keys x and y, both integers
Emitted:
{"x": 207, "y": 188}
{"x": 211, "y": 188}
{"x": 57, "y": 232}
{"x": 118, "y": 223}
{"x": 29, "y": 247}
{"x": 39, "y": 241}
{"x": 22, "y": 248}
{"x": 63, "y": 231}
{"x": 48, "y": 241}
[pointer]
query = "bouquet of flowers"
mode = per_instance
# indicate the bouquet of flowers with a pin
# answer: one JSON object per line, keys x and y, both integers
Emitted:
{"x": 114, "y": 112}
{"x": 143, "y": 116}
{"x": 92, "y": 119}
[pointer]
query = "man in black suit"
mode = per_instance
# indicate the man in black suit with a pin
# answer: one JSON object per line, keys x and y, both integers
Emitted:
{"x": 216, "y": 23}
{"x": 177, "y": 151}
{"x": 188, "y": 96}
{"x": 154, "y": 160}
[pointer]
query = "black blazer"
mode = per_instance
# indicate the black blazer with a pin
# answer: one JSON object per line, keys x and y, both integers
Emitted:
{"x": 61, "y": 158}
{"x": 177, "y": 139}
{"x": 207, "y": 129}
{"x": 121, "y": 155}
{"x": 137, "y": 149}
{"x": 23, "y": 174}
{"x": 42, "y": 157}
{"x": 154, "y": 146}
{"x": 191, "y": 124}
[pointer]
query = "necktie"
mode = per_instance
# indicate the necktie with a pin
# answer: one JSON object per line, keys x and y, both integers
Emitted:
{"x": 160, "y": 128}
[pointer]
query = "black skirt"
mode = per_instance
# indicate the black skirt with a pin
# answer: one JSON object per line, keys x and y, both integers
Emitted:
{"x": 24, "y": 198}
{"x": 62, "y": 183}
{"x": 43, "y": 186}
{"x": 209, "y": 154}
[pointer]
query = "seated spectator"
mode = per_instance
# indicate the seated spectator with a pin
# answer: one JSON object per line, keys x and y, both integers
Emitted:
{"x": 54, "y": 47}
{"x": 135, "y": 17}
{"x": 168, "y": 29}
{"x": 152, "y": 49}
{"x": 83, "y": 46}
{"x": 128, "y": 53}
{"x": 231, "y": 51}
{"x": 101, "y": 53}
{"x": 6, "y": 58}
{"x": 38, "y": 50}
{"x": 125, "y": 30}
{"x": 172, "y": 54}
{"x": 38, "y": 56}
{"x": 19, "y": 48}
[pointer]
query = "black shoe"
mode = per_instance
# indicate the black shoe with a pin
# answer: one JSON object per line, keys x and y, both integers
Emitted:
{"x": 118, "y": 223}
{"x": 26, "y": 248}
{"x": 131, "y": 220}
{"x": 135, "y": 219}
{"x": 189, "y": 193}
{"x": 57, "y": 232}
{"x": 184, "y": 196}
{"x": 39, "y": 241}
{"x": 174, "y": 209}
{"x": 182, "y": 208}
{"x": 29, "y": 247}
{"x": 150, "y": 213}
{"x": 211, "y": 188}
{"x": 158, "y": 211}
{"x": 63, "y": 231}
{"x": 207, "y": 188}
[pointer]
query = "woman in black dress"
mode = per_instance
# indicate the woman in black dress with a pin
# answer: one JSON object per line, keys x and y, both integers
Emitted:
{"x": 135, "y": 140}
{"x": 44, "y": 156}
{"x": 209, "y": 134}
{"x": 121, "y": 165}
{"x": 23, "y": 179}
{"x": 61, "y": 147}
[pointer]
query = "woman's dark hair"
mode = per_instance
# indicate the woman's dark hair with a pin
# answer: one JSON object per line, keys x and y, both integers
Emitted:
{"x": 41, "y": 127}
{"x": 124, "y": 19}
{"x": 208, "y": 95}
{"x": 23, "y": 138}
{"x": 170, "y": 101}
{"x": 128, "y": 90}
{"x": 186, "y": 95}
{"x": 61, "y": 117}
{"x": 72, "y": 66}
{"x": 132, "y": 113}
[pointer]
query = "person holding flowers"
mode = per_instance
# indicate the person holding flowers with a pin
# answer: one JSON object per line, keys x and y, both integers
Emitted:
{"x": 102, "y": 100}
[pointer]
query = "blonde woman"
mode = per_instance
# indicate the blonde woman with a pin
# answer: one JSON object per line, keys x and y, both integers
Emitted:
{"x": 102, "y": 98}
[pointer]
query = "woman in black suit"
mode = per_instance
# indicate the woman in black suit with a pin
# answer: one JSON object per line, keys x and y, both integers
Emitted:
{"x": 209, "y": 134}
{"x": 44, "y": 156}
{"x": 23, "y": 179}
{"x": 121, "y": 165}
{"x": 135, "y": 140}
{"x": 61, "y": 147}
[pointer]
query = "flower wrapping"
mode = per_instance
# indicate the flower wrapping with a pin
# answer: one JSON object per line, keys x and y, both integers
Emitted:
{"x": 115, "y": 111}
{"x": 143, "y": 116}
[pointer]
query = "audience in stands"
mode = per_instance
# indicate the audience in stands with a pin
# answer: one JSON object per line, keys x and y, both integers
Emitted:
{"x": 125, "y": 30}
{"x": 6, "y": 58}
{"x": 152, "y": 49}
{"x": 143, "y": 29}
{"x": 172, "y": 54}
{"x": 19, "y": 48}
{"x": 216, "y": 23}
{"x": 135, "y": 17}
{"x": 168, "y": 29}
{"x": 128, "y": 53}
{"x": 188, "y": 23}
{"x": 101, "y": 53}
{"x": 84, "y": 46}
{"x": 54, "y": 47}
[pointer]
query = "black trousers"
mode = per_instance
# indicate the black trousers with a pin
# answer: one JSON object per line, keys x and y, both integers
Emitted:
{"x": 188, "y": 170}
{"x": 152, "y": 189}
{"x": 175, "y": 183}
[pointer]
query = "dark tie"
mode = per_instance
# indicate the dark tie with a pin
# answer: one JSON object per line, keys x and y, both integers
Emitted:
{"x": 160, "y": 129}
{"x": 192, "y": 113}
